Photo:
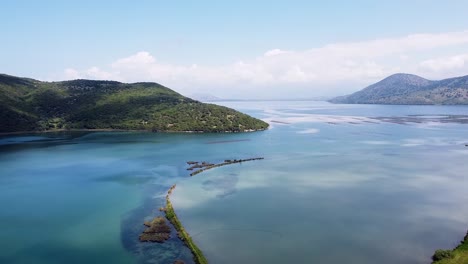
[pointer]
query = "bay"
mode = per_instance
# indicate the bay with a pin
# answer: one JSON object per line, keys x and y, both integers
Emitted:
{"x": 339, "y": 184}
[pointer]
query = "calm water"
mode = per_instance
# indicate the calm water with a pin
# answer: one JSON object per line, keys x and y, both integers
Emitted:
{"x": 335, "y": 187}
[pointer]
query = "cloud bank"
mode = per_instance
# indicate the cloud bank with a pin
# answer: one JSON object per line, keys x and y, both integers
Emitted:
{"x": 332, "y": 69}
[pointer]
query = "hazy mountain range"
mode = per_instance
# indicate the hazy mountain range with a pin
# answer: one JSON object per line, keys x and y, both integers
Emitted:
{"x": 410, "y": 89}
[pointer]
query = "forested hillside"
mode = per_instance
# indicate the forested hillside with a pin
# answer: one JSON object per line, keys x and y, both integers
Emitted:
{"x": 31, "y": 105}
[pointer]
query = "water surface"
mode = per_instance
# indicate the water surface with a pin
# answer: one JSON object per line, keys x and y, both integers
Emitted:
{"x": 339, "y": 184}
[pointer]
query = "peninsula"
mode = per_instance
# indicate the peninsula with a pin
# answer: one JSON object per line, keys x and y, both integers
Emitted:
{"x": 158, "y": 231}
{"x": 28, "y": 105}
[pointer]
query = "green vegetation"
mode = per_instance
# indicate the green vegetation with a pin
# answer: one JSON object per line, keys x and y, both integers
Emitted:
{"x": 459, "y": 255}
{"x": 183, "y": 235}
{"x": 31, "y": 105}
{"x": 410, "y": 89}
{"x": 441, "y": 254}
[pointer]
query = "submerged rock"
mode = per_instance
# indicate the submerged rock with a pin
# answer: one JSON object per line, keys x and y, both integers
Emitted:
{"x": 158, "y": 230}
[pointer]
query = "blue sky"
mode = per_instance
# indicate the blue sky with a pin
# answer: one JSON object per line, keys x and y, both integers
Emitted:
{"x": 246, "y": 49}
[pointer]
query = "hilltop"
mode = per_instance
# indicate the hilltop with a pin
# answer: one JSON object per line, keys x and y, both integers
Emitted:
{"x": 410, "y": 89}
{"x": 32, "y": 105}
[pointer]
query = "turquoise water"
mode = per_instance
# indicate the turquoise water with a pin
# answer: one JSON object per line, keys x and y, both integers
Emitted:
{"x": 339, "y": 184}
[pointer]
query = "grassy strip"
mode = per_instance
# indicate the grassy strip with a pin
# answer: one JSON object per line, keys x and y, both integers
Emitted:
{"x": 172, "y": 217}
{"x": 459, "y": 255}
{"x": 183, "y": 235}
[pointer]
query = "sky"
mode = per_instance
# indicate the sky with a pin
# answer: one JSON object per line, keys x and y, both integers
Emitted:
{"x": 235, "y": 49}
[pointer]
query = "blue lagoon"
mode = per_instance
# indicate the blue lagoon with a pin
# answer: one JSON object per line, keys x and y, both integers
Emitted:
{"x": 339, "y": 184}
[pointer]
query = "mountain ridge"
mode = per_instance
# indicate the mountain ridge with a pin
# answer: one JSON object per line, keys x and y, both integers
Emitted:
{"x": 31, "y": 105}
{"x": 403, "y": 88}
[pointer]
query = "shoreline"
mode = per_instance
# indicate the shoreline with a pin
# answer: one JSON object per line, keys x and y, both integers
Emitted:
{"x": 67, "y": 130}
{"x": 457, "y": 255}
{"x": 124, "y": 130}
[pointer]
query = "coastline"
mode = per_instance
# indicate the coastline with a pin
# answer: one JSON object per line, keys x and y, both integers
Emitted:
{"x": 458, "y": 255}
{"x": 67, "y": 130}
{"x": 122, "y": 130}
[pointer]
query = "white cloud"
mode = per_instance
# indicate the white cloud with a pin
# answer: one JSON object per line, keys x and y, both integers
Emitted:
{"x": 404, "y": 57}
{"x": 138, "y": 60}
{"x": 444, "y": 64}
{"x": 275, "y": 52}
{"x": 343, "y": 67}
{"x": 389, "y": 46}
{"x": 97, "y": 73}
{"x": 71, "y": 74}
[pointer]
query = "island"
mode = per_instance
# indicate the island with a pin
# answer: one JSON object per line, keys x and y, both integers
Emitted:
{"x": 28, "y": 105}
{"x": 409, "y": 89}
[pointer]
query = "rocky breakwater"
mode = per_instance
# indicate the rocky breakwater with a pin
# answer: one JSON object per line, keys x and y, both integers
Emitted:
{"x": 203, "y": 166}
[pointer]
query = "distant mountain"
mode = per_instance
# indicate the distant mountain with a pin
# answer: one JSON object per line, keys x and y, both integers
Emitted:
{"x": 410, "y": 89}
{"x": 31, "y": 105}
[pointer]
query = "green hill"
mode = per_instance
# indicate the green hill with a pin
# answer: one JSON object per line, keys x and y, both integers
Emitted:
{"x": 31, "y": 105}
{"x": 410, "y": 89}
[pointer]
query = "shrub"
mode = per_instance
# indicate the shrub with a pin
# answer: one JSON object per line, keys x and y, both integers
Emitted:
{"x": 441, "y": 254}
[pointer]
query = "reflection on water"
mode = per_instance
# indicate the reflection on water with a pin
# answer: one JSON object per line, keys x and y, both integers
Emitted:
{"x": 343, "y": 192}
{"x": 225, "y": 185}
{"x": 337, "y": 186}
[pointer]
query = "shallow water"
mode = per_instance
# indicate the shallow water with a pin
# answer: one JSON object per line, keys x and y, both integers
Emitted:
{"x": 339, "y": 183}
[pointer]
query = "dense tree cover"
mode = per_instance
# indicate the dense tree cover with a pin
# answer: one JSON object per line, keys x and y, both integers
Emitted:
{"x": 30, "y": 105}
